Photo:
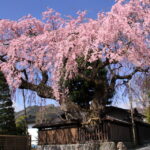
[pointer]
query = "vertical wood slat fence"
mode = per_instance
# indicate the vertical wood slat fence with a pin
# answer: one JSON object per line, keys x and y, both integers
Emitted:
{"x": 97, "y": 133}
{"x": 14, "y": 142}
{"x": 107, "y": 131}
{"x": 73, "y": 135}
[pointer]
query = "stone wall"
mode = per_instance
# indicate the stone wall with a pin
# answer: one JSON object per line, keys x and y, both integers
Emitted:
{"x": 88, "y": 146}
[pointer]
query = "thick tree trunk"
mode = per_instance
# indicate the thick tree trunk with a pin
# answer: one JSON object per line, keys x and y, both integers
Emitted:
{"x": 99, "y": 100}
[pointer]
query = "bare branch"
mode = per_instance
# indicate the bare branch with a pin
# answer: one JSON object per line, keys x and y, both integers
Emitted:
{"x": 25, "y": 74}
{"x": 42, "y": 89}
{"x": 44, "y": 77}
{"x": 127, "y": 77}
{"x": 138, "y": 69}
{"x": 2, "y": 58}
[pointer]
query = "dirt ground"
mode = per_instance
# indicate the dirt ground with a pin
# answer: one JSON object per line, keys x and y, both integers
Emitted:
{"x": 147, "y": 147}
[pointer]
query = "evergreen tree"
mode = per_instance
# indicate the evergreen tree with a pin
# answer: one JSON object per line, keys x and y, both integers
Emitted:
{"x": 82, "y": 91}
{"x": 21, "y": 125}
{"x": 147, "y": 114}
{"x": 7, "y": 118}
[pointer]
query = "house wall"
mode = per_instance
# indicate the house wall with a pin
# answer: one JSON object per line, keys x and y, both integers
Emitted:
{"x": 142, "y": 133}
{"x": 33, "y": 132}
{"x": 121, "y": 115}
{"x": 120, "y": 132}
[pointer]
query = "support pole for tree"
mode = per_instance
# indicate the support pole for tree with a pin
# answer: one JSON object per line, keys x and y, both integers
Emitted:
{"x": 25, "y": 111}
{"x": 132, "y": 116}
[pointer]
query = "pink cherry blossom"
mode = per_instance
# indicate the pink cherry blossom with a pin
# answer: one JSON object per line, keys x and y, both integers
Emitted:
{"x": 38, "y": 46}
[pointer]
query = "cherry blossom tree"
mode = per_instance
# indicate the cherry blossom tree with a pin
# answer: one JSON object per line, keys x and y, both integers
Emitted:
{"x": 35, "y": 53}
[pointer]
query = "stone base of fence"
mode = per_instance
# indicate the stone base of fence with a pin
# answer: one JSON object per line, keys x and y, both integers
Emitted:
{"x": 87, "y": 146}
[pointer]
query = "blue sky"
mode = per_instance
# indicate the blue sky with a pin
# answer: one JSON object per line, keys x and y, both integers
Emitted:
{"x": 15, "y": 9}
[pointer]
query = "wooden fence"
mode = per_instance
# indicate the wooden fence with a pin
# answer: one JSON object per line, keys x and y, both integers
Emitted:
{"x": 95, "y": 133}
{"x": 142, "y": 133}
{"x": 58, "y": 136}
{"x": 73, "y": 135}
{"x": 14, "y": 142}
{"x": 109, "y": 130}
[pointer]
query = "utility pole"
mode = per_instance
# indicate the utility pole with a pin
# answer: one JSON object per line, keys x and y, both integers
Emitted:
{"x": 132, "y": 115}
